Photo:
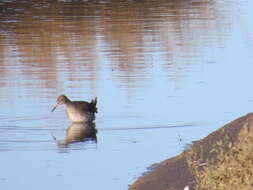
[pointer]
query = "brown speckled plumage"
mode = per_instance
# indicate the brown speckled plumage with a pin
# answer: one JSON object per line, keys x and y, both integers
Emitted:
{"x": 78, "y": 111}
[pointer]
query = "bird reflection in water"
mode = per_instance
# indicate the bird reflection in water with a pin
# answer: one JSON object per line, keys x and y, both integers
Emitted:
{"x": 79, "y": 132}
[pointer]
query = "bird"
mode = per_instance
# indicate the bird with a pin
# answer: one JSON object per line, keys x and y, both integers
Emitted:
{"x": 78, "y": 111}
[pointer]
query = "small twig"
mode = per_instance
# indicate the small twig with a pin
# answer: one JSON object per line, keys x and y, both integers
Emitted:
{"x": 180, "y": 139}
{"x": 53, "y": 136}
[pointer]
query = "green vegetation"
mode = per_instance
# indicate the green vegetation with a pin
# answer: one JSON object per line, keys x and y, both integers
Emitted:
{"x": 231, "y": 166}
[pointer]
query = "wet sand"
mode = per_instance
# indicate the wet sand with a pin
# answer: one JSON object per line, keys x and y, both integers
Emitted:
{"x": 174, "y": 174}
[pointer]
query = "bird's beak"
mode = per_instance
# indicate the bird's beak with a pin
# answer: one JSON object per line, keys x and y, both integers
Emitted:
{"x": 55, "y": 106}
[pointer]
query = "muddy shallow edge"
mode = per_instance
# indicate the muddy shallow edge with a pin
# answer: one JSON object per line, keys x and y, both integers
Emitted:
{"x": 174, "y": 173}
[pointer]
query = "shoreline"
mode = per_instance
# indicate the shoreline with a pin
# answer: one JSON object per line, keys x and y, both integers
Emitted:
{"x": 174, "y": 173}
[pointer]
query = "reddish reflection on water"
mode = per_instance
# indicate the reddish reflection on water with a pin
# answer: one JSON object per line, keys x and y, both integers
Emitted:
{"x": 83, "y": 38}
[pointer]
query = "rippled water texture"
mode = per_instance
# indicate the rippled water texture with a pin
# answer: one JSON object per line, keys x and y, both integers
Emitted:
{"x": 165, "y": 72}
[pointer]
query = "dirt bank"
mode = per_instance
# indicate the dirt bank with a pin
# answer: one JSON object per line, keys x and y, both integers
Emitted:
{"x": 174, "y": 174}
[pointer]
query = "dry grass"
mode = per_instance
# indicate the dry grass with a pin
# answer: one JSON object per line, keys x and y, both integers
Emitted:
{"x": 231, "y": 167}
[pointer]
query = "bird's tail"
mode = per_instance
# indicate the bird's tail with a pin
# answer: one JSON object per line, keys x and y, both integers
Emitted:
{"x": 94, "y": 105}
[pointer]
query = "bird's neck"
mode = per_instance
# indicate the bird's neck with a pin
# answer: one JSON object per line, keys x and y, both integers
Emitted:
{"x": 67, "y": 101}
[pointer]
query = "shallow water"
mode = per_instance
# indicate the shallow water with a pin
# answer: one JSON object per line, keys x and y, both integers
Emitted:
{"x": 166, "y": 73}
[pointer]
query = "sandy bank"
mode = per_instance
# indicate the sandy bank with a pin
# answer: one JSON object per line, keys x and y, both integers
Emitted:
{"x": 174, "y": 174}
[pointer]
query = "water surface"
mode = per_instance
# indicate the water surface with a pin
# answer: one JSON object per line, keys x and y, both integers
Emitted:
{"x": 162, "y": 71}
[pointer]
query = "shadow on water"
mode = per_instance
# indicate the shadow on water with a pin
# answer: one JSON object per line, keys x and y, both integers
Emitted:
{"x": 150, "y": 127}
{"x": 78, "y": 136}
{"x": 78, "y": 132}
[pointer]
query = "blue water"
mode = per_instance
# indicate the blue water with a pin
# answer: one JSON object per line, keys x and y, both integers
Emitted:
{"x": 162, "y": 71}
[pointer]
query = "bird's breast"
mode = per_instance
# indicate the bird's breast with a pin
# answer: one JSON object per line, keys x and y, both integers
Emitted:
{"x": 79, "y": 115}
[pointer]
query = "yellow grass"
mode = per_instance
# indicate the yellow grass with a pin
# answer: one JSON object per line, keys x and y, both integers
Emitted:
{"x": 230, "y": 169}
